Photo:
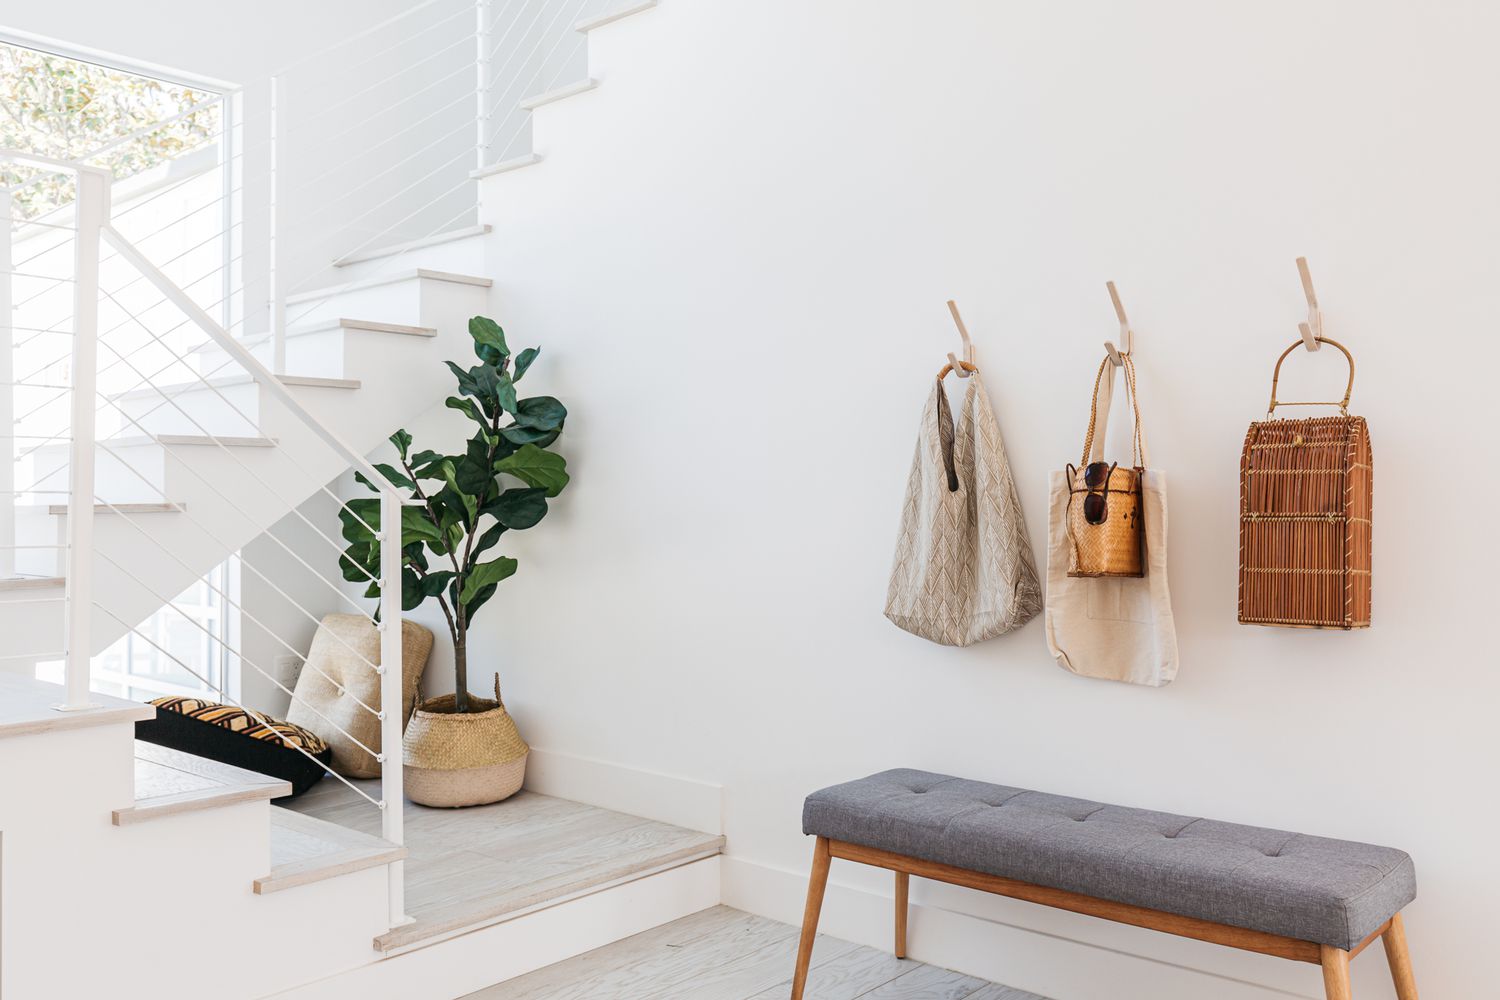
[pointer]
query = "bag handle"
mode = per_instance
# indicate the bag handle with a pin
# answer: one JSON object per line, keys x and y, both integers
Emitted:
{"x": 1093, "y": 442}
{"x": 1343, "y": 404}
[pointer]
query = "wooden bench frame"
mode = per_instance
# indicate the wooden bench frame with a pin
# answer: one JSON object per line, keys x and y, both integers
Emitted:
{"x": 1334, "y": 961}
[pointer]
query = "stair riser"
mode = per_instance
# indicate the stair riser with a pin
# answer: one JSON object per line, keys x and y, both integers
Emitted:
{"x": 319, "y": 353}
{"x": 464, "y": 256}
{"x": 114, "y": 480}
{"x": 232, "y": 410}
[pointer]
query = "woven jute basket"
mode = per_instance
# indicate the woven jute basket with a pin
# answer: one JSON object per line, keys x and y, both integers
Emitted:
{"x": 1306, "y": 493}
{"x": 1117, "y": 545}
{"x": 466, "y": 759}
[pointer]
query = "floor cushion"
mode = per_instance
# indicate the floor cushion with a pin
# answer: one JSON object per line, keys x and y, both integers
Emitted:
{"x": 338, "y": 676}
{"x": 239, "y": 736}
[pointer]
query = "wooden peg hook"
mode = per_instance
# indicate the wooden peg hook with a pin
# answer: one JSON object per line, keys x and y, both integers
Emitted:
{"x": 1312, "y": 330}
{"x": 963, "y": 332}
{"x": 1127, "y": 336}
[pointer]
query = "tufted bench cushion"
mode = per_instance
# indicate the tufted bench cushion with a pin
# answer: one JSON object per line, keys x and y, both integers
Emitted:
{"x": 1330, "y": 892}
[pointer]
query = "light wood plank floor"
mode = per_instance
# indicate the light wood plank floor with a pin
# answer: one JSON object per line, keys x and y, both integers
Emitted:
{"x": 471, "y": 867}
{"x": 723, "y": 954}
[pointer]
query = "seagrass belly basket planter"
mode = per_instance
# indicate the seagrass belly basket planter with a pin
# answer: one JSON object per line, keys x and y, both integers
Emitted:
{"x": 463, "y": 758}
{"x": 1305, "y": 505}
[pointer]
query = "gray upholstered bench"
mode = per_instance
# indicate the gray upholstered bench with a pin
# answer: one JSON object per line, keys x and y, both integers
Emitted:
{"x": 1286, "y": 894}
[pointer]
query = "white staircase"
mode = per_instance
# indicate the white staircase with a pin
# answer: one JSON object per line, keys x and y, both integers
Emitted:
{"x": 198, "y": 456}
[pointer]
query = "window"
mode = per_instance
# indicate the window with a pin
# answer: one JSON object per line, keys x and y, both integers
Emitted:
{"x": 183, "y": 649}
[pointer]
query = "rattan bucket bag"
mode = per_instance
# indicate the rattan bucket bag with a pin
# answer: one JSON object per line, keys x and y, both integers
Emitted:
{"x": 1105, "y": 522}
{"x": 1305, "y": 505}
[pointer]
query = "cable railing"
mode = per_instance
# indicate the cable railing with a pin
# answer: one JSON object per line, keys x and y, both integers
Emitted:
{"x": 250, "y": 496}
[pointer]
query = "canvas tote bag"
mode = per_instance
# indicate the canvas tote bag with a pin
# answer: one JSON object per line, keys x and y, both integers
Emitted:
{"x": 964, "y": 570}
{"x": 1115, "y": 628}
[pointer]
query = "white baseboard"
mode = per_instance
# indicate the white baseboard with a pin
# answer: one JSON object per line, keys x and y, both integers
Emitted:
{"x": 1060, "y": 955}
{"x": 667, "y": 798}
{"x": 461, "y": 965}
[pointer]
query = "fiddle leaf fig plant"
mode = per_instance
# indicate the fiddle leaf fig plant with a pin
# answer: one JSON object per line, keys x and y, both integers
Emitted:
{"x": 501, "y": 482}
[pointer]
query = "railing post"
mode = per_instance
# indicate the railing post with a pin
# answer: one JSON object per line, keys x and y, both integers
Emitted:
{"x": 482, "y": 23}
{"x": 275, "y": 280}
{"x": 7, "y": 391}
{"x": 392, "y": 668}
{"x": 92, "y": 213}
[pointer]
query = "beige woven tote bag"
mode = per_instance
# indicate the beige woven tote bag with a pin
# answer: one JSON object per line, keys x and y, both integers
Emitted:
{"x": 1116, "y": 628}
{"x": 964, "y": 570}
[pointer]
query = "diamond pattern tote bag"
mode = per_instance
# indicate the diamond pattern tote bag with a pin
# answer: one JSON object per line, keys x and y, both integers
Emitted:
{"x": 964, "y": 570}
{"x": 1116, "y": 628}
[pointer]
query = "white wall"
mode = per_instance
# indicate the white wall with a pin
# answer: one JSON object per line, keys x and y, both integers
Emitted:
{"x": 735, "y": 257}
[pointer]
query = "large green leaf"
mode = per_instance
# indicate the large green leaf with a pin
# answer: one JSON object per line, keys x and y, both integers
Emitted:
{"x": 523, "y": 362}
{"x": 468, "y": 407}
{"x": 402, "y": 441}
{"x": 485, "y": 575}
{"x": 544, "y": 413}
{"x": 456, "y": 497}
{"x": 390, "y": 473}
{"x": 489, "y": 340}
{"x": 486, "y": 541}
{"x": 518, "y": 435}
{"x": 360, "y": 519}
{"x": 536, "y": 467}
{"x": 519, "y": 509}
{"x": 415, "y": 523}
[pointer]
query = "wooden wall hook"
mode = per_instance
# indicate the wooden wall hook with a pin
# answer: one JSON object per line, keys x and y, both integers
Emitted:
{"x": 1127, "y": 335}
{"x": 1312, "y": 330}
{"x": 966, "y": 368}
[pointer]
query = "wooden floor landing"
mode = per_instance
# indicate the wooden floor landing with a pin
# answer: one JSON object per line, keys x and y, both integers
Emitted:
{"x": 468, "y": 868}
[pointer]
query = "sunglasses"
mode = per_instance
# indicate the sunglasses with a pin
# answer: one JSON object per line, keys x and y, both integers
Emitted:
{"x": 1096, "y": 477}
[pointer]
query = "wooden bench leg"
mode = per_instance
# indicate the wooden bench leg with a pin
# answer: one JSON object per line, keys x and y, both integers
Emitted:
{"x": 903, "y": 888}
{"x": 1394, "y": 939}
{"x": 816, "y": 883}
{"x": 1336, "y": 973}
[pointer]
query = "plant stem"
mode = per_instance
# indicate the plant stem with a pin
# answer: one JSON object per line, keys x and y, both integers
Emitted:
{"x": 461, "y": 676}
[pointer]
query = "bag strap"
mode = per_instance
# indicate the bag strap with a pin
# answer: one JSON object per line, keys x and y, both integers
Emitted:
{"x": 1343, "y": 404}
{"x": 946, "y": 434}
{"x": 1093, "y": 442}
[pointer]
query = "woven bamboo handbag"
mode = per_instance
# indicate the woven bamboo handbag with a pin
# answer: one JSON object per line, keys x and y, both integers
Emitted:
{"x": 1305, "y": 499}
{"x": 1104, "y": 500}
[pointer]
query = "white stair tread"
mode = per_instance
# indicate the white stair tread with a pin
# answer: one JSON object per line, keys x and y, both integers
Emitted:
{"x": 305, "y": 849}
{"x": 572, "y": 89}
{"x": 29, "y": 583}
{"x": 227, "y": 440}
{"x": 169, "y": 782}
{"x": 362, "y": 324}
{"x": 609, "y": 17}
{"x": 61, "y": 509}
{"x": 514, "y": 163}
{"x": 452, "y": 236}
{"x": 304, "y": 329}
{"x": 229, "y": 381}
{"x": 319, "y": 294}
{"x": 29, "y": 706}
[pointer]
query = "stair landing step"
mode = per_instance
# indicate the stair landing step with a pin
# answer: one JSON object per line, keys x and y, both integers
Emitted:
{"x": 306, "y": 850}
{"x": 169, "y": 782}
